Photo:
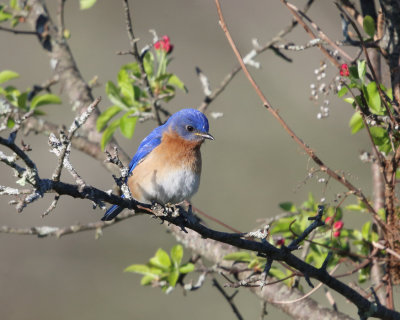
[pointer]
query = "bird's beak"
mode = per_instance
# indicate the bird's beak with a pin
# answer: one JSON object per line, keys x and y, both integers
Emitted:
{"x": 205, "y": 135}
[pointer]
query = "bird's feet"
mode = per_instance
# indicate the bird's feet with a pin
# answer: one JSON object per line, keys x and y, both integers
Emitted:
{"x": 168, "y": 209}
{"x": 176, "y": 211}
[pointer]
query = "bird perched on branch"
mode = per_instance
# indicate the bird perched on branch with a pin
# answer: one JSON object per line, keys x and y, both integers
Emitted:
{"x": 167, "y": 165}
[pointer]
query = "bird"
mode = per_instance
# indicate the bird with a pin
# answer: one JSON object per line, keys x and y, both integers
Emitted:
{"x": 167, "y": 165}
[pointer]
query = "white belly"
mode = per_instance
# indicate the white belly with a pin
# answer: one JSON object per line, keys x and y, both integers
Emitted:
{"x": 175, "y": 186}
{"x": 169, "y": 186}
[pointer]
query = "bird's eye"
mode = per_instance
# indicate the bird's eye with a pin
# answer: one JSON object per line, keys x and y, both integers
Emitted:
{"x": 189, "y": 128}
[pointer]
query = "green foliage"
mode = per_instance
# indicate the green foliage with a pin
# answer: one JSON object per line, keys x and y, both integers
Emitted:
{"x": 86, "y": 4}
{"x": 130, "y": 97}
{"x": 163, "y": 269}
{"x": 7, "y": 75}
{"x": 368, "y": 100}
{"x": 356, "y": 122}
{"x": 369, "y": 26}
{"x": 381, "y": 139}
{"x": 44, "y": 99}
{"x": 20, "y": 99}
{"x": 290, "y": 227}
{"x": 4, "y": 15}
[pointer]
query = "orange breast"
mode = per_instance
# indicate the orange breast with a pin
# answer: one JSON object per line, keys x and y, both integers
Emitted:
{"x": 171, "y": 171}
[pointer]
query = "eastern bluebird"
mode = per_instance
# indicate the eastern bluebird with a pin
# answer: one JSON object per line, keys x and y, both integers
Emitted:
{"x": 167, "y": 165}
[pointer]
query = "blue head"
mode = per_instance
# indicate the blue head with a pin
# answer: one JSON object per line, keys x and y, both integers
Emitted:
{"x": 190, "y": 124}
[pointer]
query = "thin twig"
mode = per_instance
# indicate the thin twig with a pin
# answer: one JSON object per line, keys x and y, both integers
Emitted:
{"x": 47, "y": 231}
{"x": 308, "y": 293}
{"x": 295, "y": 13}
{"x": 26, "y": 32}
{"x": 229, "y": 299}
{"x": 228, "y": 78}
{"x": 135, "y": 52}
{"x": 60, "y": 14}
{"x": 308, "y": 150}
{"x": 382, "y": 247}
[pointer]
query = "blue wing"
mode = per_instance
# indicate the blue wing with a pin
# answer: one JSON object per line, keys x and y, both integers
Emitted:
{"x": 145, "y": 147}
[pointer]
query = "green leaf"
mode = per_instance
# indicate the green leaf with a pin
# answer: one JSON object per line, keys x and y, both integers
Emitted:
{"x": 255, "y": 263}
{"x": 10, "y": 123}
{"x": 373, "y": 98}
{"x": 342, "y": 92}
{"x": 86, "y": 4}
{"x": 369, "y": 26}
{"x": 113, "y": 94}
{"x": 7, "y": 75}
{"x": 148, "y": 279}
{"x": 353, "y": 75}
{"x": 173, "y": 278}
{"x": 282, "y": 225}
{"x": 108, "y": 133}
{"x": 14, "y": 22}
{"x": 355, "y": 207}
{"x": 44, "y": 99}
{"x": 238, "y": 256}
{"x": 14, "y": 4}
{"x": 125, "y": 84}
{"x": 365, "y": 231}
{"x": 106, "y": 116}
{"x": 388, "y": 92}
{"x": 356, "y": 123}
{"x": 177, "y": 254}
{"x": 186, "y": 268}
{"x": 349, "y": 100}
{"x": 175, "y": 81}
{"x": 138, "y": 268}
{"x": 4, "y": 16}
{"x": 277, "y": 273}
{"x": 134, "y": 68}
{"x": 161, "y": 260}
{"x": 363, "y": 274}
{"x": 127, "y": 125}
{"x": 22, "y": 99}
{"x": 148, "y": 63}
{"x": 381, "y": 139}
{"x": 288, "y": 206}
{"x": 361, "y": 69}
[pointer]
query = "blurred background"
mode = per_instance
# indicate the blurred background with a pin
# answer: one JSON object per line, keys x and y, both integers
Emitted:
{"x": 251, "y": 167}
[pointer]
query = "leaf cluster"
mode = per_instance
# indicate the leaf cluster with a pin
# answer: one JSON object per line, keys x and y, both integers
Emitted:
{"x": 26, "y": 100}
{"x": 162, "y": 269}
{"x": 131, "y": 96}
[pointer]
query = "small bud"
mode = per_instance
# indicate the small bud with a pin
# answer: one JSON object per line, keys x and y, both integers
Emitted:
{"x": 344, "y": 70}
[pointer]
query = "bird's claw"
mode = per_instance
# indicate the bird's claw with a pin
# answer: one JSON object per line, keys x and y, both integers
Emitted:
{"x": 168, "y": 209}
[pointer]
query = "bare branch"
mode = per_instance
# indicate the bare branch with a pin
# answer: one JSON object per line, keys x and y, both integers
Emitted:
{"x": 25, "y": 32}
{"x": 46, "y": 231}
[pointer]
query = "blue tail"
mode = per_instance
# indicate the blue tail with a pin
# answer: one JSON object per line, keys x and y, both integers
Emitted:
{"x": 112, "y": 212}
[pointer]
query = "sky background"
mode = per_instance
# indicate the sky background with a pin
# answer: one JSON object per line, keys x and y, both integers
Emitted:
{"x": 251, "y": 167}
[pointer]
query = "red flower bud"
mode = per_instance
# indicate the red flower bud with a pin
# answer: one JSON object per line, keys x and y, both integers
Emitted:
{"x": 338, "y": 225}
{"x": 280, "y": 241}
{"x": 336, "y": 234}
{"x": 164, "y": 45}
{"x": 344, "y": 70}
{"x": 328, "y": 220}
